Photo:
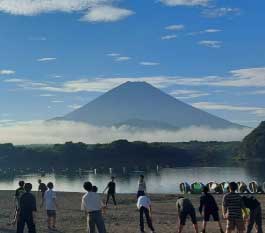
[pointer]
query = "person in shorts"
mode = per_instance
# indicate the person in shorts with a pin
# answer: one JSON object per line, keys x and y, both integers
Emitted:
{"x": 185, "y": 209}
{"x": 233, "y": 206}
{"x": 210, "y": 207}
{"x": 49, "y": 200}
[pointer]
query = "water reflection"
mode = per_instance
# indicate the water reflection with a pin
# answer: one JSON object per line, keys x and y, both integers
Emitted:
{"x": 164, "y": 180}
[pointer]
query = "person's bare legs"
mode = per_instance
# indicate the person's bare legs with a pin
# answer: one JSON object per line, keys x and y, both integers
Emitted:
{"x": 196, "y": 229}
{"x": 220, "y": 226}
{"x": 204, "y": 224}
{"x": 54, "y": 222}
{"x": 180, "y": 228}
{"x": 49, "y": 222}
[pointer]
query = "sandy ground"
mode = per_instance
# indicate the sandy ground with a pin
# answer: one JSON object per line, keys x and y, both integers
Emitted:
{"x": 124, "y": 219}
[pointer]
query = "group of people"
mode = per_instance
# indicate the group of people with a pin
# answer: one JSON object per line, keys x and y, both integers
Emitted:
{"x": 237, "y": 210}
{"x": 26, "y": 206}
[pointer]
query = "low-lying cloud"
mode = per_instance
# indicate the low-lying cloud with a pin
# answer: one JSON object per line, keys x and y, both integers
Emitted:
{"x": 40, "y": 132}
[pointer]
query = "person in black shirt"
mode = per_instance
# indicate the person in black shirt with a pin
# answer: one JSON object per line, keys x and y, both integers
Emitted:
{"x": 255, "y": 215}
{"x": 27, "y": 208}
{"x": 208, "y": 203}
{"x": 18, "y": 193}
{"x": 111, "y": 187}
{"x": 42, "y": 188}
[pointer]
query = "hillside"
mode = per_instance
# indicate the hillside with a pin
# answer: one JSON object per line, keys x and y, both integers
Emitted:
{"x": 253, "y": 145}
{"x": 117, "y": 154}
{"x": 141, "y": 105}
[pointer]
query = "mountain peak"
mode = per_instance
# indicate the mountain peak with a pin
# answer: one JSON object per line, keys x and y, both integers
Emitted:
{"x": 140, "y": 103}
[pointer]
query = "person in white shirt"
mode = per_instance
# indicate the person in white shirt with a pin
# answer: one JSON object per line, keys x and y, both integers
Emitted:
{"x": 49, "y": 199}
{"x": 92, "y": 205}
{"x": 144, "y": 206}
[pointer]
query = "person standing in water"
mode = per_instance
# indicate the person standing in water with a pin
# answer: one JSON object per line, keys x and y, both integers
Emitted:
{"x": 141, "y": 186}
{"x": 111, "y": 187}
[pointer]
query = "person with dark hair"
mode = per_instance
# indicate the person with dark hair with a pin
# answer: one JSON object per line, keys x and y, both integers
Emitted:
{"x": 18, "y": 193}
{"x": 232, "y": 210}
{"x": 94, "y": 189}
{"x": 255, "y": 215}
{"x": 141, "y": 186}
{"x": 111, "y": 187}
{"x": 50, "y": 205}
{"x": 42, "y": 188}
{"x": 185, "y": 209}
{"x": 144, "y": 206}
{"x": 210, "y": 207}
{"x": 92, "y": 205}
{"x": 26, "y": 211}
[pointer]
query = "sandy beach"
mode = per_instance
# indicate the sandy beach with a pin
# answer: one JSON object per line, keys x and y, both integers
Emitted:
{"x": 120, "y": 220}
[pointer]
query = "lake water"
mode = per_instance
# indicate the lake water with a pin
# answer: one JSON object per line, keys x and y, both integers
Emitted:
{"x": 164, "y": 180}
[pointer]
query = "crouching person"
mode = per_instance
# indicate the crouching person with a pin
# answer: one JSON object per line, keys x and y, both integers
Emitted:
{"x": 92, "y": 206}
{"x": 185, "y": 209}
{"x": 26, "y": 211}
{"x": 144, "y": 206}
{"x": 255, "y": 214}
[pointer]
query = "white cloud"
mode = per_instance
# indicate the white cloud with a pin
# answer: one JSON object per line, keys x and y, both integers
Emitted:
{"x": 185, "y": 2}
{"x": 148, "y": 63}
{"x": 187, "y": 94}
{"x": 259, "y": 111}
{"x": 45, "y": 59}
{"x": 123, "y": 58}
{"x": 14, "y": 80}
{"x": 106, "y": 14}
{"x": 169, "y": 37}
{"x": 113, "y": 54}
{"x": 210, "y": 30}
{"x": 211, "y": 43}
{"x": 59, "y": 132}
{"x": 47, "y": 95}
{"x": 57, "y": 101}
{"x": 219, "y": 12}
{"x": 7, "y": 72}
{"x": 74, "y": 106}
{"x": 175, "y": 27}
{"x": 42, "y": 38}
{"x": 93, "y": 10}
{"x": 251, "y": 77}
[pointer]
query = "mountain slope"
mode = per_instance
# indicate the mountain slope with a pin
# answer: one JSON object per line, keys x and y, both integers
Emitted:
{"x": 253, "y": 145}
{"x": 135, "y": 103}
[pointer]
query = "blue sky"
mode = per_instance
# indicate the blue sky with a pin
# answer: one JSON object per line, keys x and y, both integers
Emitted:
{"x": 58, "y": 55}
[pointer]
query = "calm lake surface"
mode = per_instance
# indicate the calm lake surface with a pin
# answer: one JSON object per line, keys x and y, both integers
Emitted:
{"x": 164, "y": 180}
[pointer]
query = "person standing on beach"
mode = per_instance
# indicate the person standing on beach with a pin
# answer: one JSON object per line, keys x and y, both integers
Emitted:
{"x": 185, "y": 209}
{"x": 18, "y": 194}
{"x": 42, "y": 188}
{"x": 144, "y": 206}
{"x": 210, "y": 207}
{"x": 255, "y": 215}
{"x": 111, "y": 187}
{"x": 26, "y": 211}
{"x": 141, "y": 186}
{"x": 232, "y": 210}
{"x": 92, "y": 205}
{"x": 50, "y": 205}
